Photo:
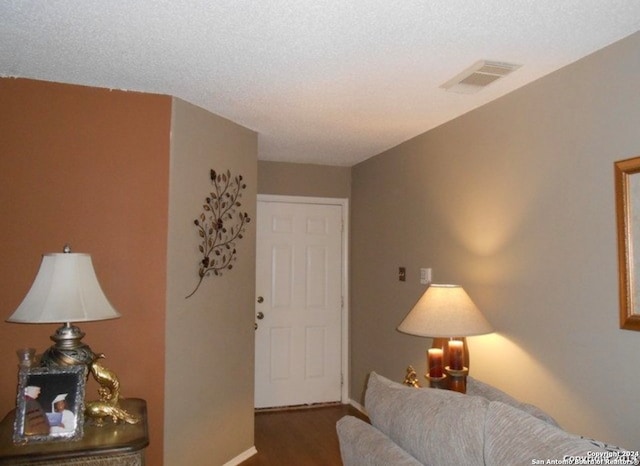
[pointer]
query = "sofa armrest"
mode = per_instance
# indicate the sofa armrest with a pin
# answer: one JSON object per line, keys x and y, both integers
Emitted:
{"x": 361, "y": 444}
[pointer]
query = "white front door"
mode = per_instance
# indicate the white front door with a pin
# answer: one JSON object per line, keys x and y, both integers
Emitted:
{"x": 298, "y": 309}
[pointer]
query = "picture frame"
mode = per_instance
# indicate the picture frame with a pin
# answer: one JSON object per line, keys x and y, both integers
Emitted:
{"x": 50, "y": 404}
{"x": 627, "y": 188}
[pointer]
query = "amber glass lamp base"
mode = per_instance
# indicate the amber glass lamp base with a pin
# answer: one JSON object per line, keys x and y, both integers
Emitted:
{"x": 457, "y": 379}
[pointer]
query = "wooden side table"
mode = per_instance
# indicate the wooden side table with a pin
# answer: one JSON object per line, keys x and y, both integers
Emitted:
{"x": 112, "y": 444}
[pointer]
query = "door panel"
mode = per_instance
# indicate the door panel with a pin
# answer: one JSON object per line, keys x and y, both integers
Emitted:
{"x": 299, "y": 275}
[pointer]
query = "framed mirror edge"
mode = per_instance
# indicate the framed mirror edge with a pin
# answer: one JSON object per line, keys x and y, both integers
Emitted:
{"x": 629, "y": 320}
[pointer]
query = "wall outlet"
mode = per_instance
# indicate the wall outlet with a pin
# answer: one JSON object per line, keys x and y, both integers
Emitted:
{"x": 402, "y": 274}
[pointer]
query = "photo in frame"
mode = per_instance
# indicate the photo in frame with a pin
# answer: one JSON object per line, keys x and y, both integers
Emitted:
{"x": 50, "y": 404}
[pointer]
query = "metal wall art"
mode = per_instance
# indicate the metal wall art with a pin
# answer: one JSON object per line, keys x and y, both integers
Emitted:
{"x": 219, "y": 225}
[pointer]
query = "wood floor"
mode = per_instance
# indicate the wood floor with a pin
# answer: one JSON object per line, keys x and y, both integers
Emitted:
{"x": 299, "y": 437}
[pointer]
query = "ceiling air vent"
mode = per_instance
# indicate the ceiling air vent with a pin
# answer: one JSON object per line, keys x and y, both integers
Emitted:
{"x": 478, "y": 76}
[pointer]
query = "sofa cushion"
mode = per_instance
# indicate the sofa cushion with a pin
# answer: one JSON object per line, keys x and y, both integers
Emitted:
{"x": 361, "y": 444}
{"x": 439, "y": 427}
{"x": 514, "y": 437}
{"x": 478, "y": 388}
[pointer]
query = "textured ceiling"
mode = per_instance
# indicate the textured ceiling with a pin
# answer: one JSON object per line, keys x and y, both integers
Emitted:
{"x": 321, "y": 81}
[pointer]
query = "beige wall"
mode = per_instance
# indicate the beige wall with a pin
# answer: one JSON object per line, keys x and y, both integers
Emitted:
{"x": 210, "y": 336}
{"x": 515, "y": 201}
{"x": 296, "y": 179}
{"x": 90, "y": 167}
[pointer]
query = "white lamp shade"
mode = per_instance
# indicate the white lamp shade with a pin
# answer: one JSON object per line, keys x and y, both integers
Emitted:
{"x": 445, "y": 311}
{"x": 66, "y": 289}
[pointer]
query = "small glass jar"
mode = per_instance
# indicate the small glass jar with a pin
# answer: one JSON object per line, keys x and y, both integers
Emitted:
{"x": 26, "y": 357}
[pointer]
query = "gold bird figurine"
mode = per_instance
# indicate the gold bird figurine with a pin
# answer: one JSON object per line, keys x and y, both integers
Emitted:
{"x": 108, "y": 404}
{"x": 99, "y": 410}
{"x": 109, "y": 384}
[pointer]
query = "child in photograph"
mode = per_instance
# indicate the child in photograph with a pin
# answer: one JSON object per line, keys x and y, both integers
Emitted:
{"x": 67, "y": 423}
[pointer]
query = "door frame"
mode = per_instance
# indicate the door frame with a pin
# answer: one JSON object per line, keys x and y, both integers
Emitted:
{"x": 344, "y": 339}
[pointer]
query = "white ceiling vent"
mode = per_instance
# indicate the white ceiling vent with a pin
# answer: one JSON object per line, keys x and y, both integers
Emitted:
{"x": 478, "y": 76}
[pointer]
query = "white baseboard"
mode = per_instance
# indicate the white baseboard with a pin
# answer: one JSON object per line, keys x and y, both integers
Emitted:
{"x": 241, "y": 457}
{"x": 358, "y": 406}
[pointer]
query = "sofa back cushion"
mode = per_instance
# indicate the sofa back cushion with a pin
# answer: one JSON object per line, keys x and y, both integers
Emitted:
{"x": 361, "y": 444}
{"x": 477, "y": 388}
{"x": 516, "y": 438}
{"x": 438, "y": 427}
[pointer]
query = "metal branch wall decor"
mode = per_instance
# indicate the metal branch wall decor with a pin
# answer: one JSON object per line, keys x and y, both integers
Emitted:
{"x": 220, "y": 225}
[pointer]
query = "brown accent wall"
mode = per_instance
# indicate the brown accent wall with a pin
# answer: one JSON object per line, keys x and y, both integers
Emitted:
{"x": 299, "y": 179}
{"x": 515, "y": 202}
{"x": 89, "y": 167}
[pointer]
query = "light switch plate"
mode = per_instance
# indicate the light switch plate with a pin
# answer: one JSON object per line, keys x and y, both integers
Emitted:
{"x": 425, "y": 276}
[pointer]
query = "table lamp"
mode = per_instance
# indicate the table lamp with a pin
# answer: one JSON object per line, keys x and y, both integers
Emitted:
{"x": 65, "y": 290}
{"x": 446, "y": 311}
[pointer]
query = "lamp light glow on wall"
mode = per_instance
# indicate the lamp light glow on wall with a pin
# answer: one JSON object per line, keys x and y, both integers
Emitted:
{"x": 65, "y": 290}
{"x": 446, "y": 311}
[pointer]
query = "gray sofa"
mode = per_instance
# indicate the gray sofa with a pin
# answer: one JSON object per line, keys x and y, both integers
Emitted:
{"x": 413, "y": 427}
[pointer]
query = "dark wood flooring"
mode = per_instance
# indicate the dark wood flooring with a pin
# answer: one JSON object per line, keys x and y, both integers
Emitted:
{"x": 299, "y": 437}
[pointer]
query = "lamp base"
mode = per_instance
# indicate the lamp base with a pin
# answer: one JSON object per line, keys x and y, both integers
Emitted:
{"x": 457, "y": 379}
{"x": 437, "y": 382}
{"x": 68, "y": 349}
